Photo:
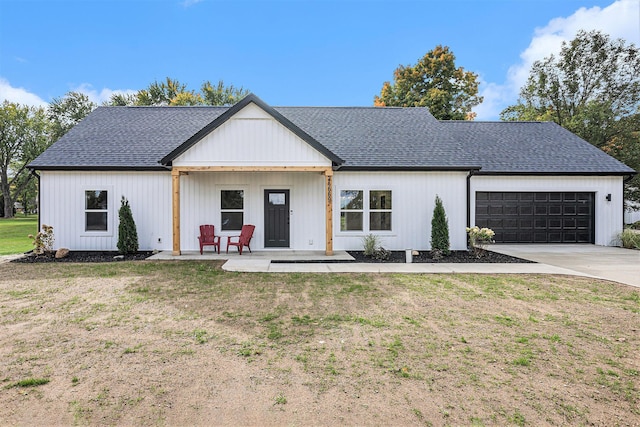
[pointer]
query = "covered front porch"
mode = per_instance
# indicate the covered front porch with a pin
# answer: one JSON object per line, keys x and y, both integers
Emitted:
{"x": 291, "y": 206}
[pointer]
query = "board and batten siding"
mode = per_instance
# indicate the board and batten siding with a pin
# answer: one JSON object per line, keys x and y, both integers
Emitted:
{"x": 62, "y": 205}
{"x": 413, "y": 200}
{"x": 608, "y": 215}
{"x": 251, "y": 138}
{"x": 200, "y": 204}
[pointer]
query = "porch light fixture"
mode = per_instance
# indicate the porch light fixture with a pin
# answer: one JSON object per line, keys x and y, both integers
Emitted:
{"x": 608, "y": 197}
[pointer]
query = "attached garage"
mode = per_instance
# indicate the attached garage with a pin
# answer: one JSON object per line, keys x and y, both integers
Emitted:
{"x": 537, "y": 217}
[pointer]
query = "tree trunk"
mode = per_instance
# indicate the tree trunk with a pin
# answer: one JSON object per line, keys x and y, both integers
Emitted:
{"x": 6, "y": 194}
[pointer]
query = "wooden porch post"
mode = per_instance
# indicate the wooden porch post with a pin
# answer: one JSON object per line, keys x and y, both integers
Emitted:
{"x": 175, "y": 184}
{"x": 328, "y": 178}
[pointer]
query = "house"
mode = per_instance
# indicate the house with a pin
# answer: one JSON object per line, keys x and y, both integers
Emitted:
{"x": 321, "y": 178}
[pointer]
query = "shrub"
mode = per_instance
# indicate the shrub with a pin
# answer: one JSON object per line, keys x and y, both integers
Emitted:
{"x": 440, "y": 229}
{"x": 479, "y": 238}
{"x": 630, "y": 239}
{"x": 370, "y": 243}
{"x": 127, "y": 233}
{"x": 372, "y": 248}
{"x": 43, "y": 241}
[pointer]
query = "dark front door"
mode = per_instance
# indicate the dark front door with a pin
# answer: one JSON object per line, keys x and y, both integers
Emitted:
{"x": 276, "y": 218}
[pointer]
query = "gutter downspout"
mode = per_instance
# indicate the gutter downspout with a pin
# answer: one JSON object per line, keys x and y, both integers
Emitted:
{"x": 469, "y": 203}
{"x": 471, "y": 172}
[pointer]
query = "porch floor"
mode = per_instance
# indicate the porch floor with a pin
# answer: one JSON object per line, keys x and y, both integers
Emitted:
{"x": 265, "y": 256}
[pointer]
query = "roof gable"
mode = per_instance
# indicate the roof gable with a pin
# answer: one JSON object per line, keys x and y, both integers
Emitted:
{"x": 252, "y": 137}
{"x": 233, "y": 111}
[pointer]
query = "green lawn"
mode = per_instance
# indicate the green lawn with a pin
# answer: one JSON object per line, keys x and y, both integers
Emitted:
{"x": 14, "y": 232}
{"x": 187, "y": 343}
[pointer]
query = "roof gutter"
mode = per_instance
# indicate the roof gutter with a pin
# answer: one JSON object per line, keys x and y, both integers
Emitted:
{"x": 584, "y": 173}
{"x": 101, "y": 168}
{"x": 408, "y": 168}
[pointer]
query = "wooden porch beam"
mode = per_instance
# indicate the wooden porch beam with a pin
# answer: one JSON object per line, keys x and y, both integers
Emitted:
{"x": 184, "y": 169}
{"x": 175, "y": 184}
{"x": 328, "y": 178}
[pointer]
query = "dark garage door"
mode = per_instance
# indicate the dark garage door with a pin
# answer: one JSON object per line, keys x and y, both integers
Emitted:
{"x": 537, "y": 217}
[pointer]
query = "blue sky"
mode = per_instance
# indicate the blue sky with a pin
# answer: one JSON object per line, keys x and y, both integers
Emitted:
{"x": 297, "y": 52}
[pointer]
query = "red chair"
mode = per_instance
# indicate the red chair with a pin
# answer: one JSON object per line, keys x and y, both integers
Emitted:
{"x": 243, "y": 239}
{"x": 208, "y": 238}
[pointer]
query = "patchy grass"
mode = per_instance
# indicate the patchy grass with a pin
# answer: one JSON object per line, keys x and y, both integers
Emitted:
{"x": 14, "y": 232}
{"x": 185, "y": 343}
{"x": 29, "y": 382}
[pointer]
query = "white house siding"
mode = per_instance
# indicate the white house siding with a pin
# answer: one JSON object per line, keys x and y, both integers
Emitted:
{"x": 252, "y": 138}
{"x": 608, "y": 215}
{"x": 413, "y": 200}
{"x": 149, "y": 194}
{"x": 200, "y": 204}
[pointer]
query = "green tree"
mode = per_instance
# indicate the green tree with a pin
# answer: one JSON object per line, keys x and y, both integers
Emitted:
{"x": 592, "y": 88}
{"x": 127, "y": 232}
{"x": 221, "y": 94}
{"x": 440, "y": 229}
{"x": 435, "y": 82}
{"x": 24, "y": 134}
{"x": 64, "y": 113}
{"x": 172, "y": 93}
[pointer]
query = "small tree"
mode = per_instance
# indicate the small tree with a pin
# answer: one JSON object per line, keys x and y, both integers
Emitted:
{"x": 127, "y": 234}
{"x": 440, "y": 229}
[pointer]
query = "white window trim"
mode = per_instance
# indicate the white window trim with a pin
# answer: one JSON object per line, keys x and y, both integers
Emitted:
{"x": 366, "y": 210}
{"x": 110, "y": 212}
{"x": 245, "y": 207}
{"x": 370, "y": 211}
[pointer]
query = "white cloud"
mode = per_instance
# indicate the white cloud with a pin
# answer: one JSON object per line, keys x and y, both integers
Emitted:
{"x": 188, "y": 3}
{"x": 619, "y": 20}
{"x": 103, "y": 95}
{"x": 19, "y": 95}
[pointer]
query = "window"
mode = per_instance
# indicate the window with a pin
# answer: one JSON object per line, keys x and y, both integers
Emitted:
{"x": 232, "y": 209}
{"x": 374, "y": 216}
{"x": 351, "y": 210}
{"x": 380, "y": 210}
{"x": 96, "y": 210}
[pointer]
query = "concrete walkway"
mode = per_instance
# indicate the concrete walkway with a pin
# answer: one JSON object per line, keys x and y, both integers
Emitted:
{"x": 604, "y": 262}
{"x": 318, "y": 262}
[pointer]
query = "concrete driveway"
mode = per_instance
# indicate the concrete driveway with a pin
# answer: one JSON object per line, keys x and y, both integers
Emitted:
{"x": 616, "y": 264}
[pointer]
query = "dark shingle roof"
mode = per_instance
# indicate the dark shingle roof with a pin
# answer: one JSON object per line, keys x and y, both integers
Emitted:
{"x": 353, "y": 137}
{"x": 530, "y": 147}
{"x": 125, "y": 137}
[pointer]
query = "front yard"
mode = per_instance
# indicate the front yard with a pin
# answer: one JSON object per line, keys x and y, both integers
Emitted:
{"x": 177, "y": 343}
{"x": 14, "y": 232}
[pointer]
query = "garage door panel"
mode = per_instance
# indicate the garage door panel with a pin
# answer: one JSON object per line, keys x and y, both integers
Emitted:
{"x": 525, "y": 223}
{"x": 526, "y": 210}
{"x": 510, "y": 210}
{"x": 555, "y": 224}
{"x": 554, "y": 210}
{"x": 583, "y": 210}
{"x": 537, "y": 217}
{"x": 540, "y": 223}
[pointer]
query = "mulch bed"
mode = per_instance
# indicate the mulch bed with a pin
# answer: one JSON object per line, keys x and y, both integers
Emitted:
{"x": 454, "y": 257}
{"x": 85, "y": 256}
{"x": 394, "y": 257}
